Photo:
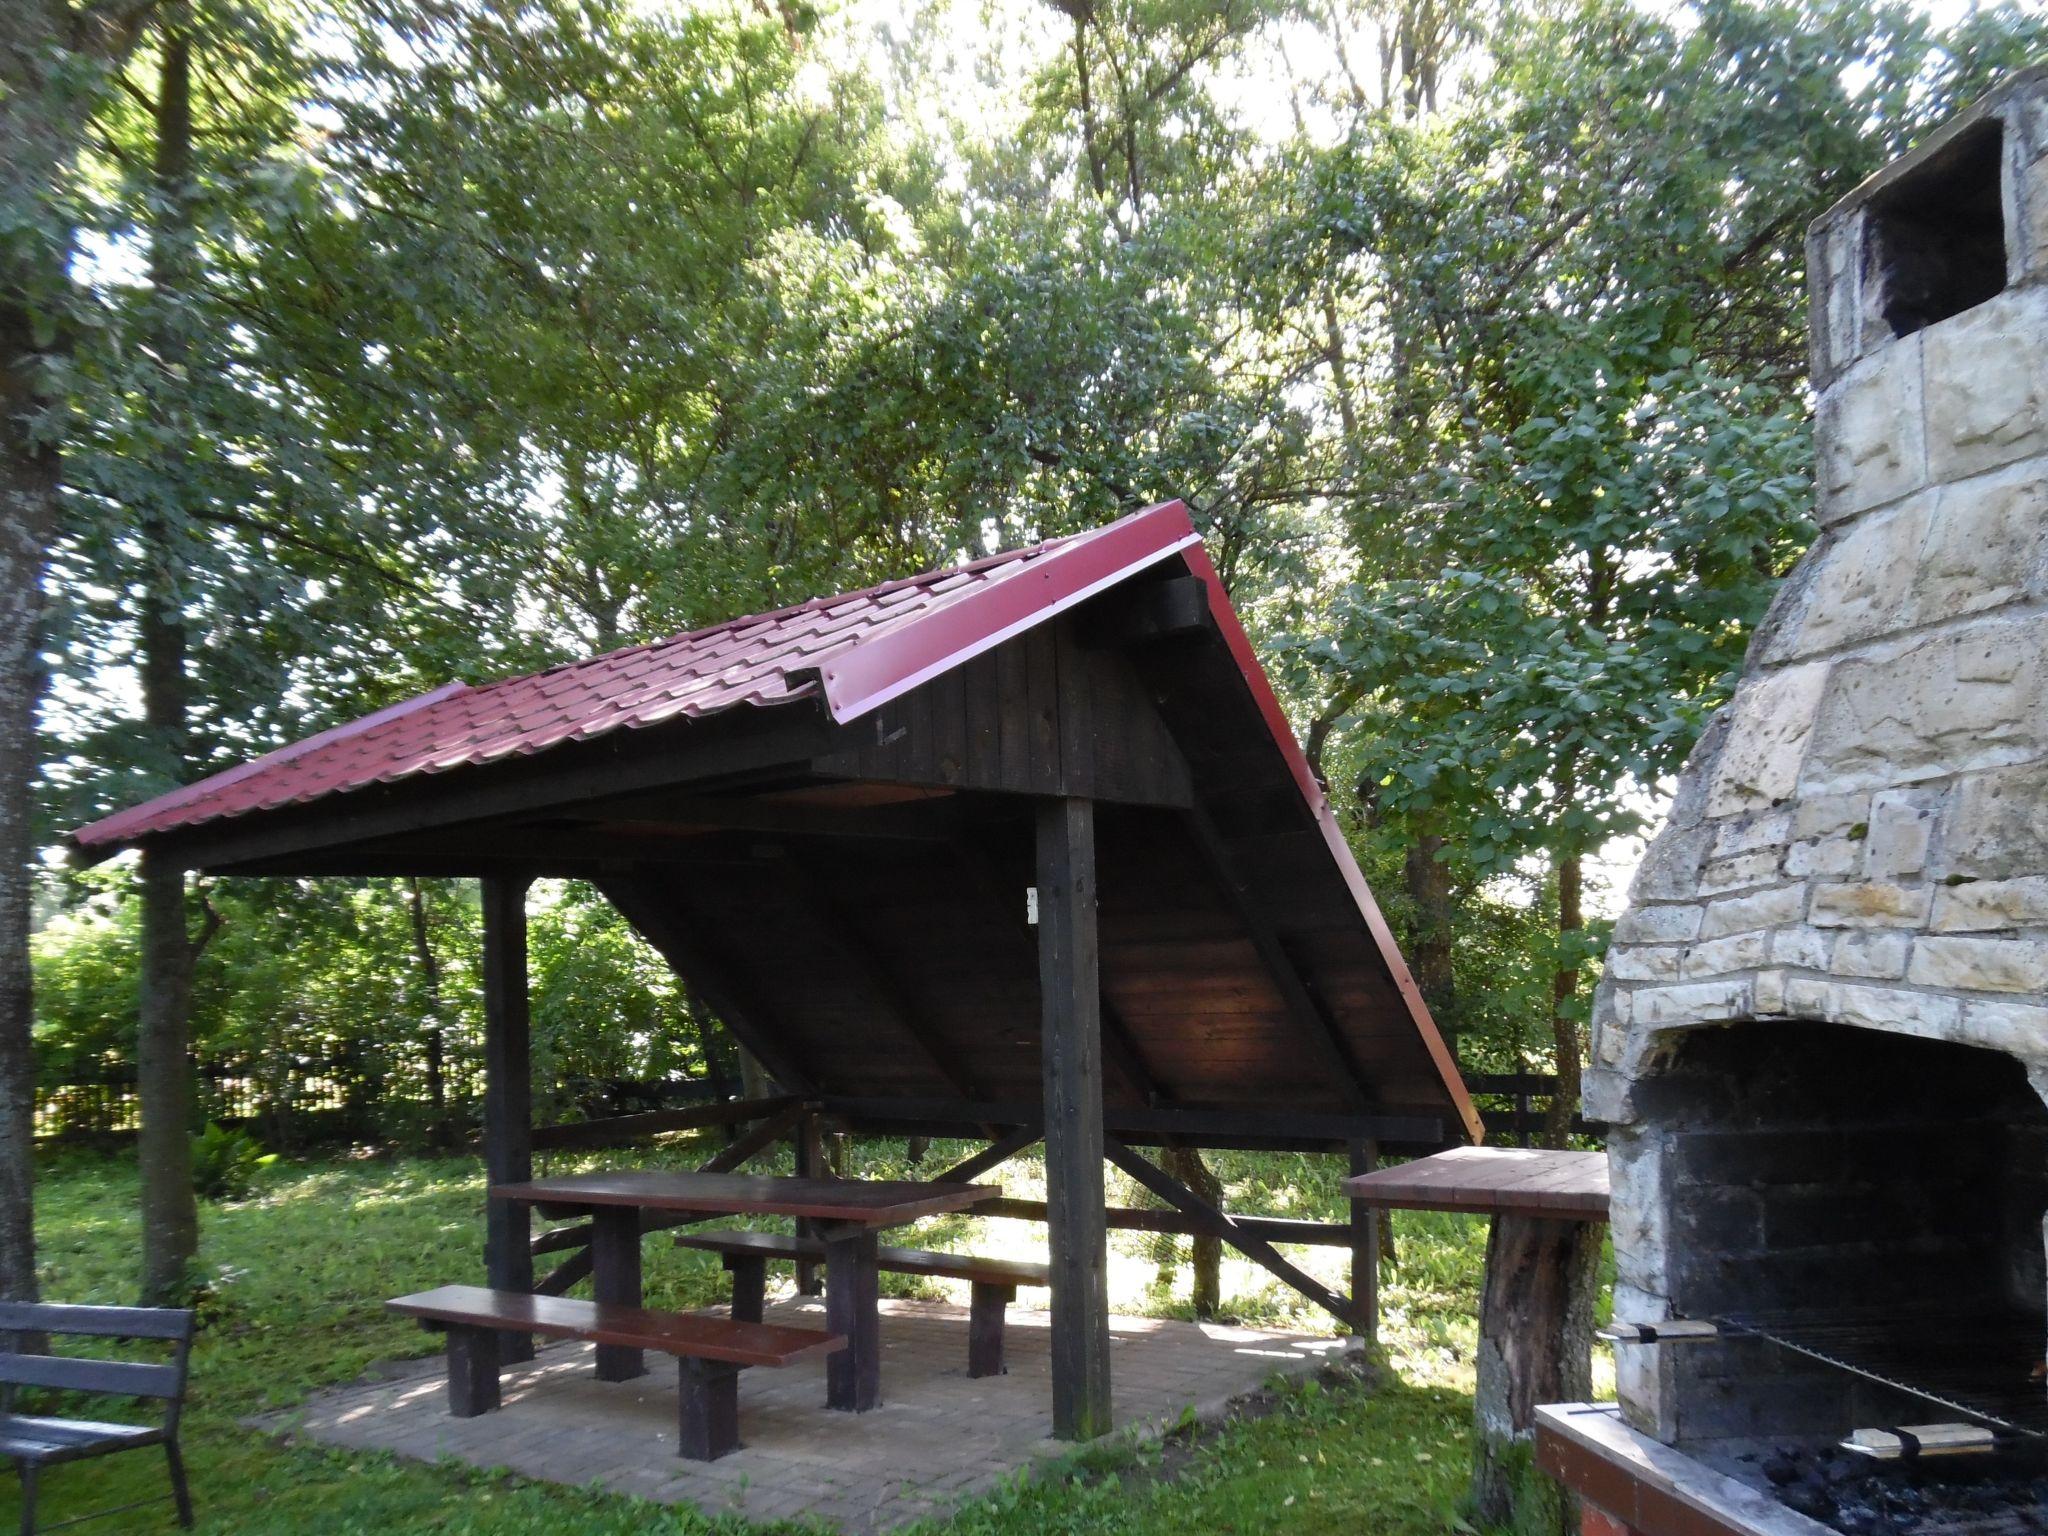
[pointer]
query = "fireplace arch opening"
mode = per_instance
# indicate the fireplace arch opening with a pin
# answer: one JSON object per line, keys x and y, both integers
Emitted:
{"x": 1875, "y": 1197}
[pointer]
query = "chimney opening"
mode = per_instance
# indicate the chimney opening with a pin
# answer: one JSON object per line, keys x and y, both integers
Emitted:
{"x": 1936, "y": 243}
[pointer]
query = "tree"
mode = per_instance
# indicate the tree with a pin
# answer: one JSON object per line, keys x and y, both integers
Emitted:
{"x": 1586, "y": 463}
{"x": 202, "y": 534}
{"x": 55, "y": 66}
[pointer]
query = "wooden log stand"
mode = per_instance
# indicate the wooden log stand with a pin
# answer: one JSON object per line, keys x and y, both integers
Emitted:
{"x": 1536, "y": 1310}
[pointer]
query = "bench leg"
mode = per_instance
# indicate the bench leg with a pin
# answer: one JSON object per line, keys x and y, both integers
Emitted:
{"x": 985, "y": 1329}
{"x": 473, "y": 1356}
{"x": 853, "y": 1376}
{"x": 180, "y": 1493}
{"x": 708, "y": 1409}
{"x": 28, "y": 1497}
{"x": 749, "y": 1273}
{"x": 615, "y": 1278}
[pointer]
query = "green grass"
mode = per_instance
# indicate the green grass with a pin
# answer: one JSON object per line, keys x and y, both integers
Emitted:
{"x": 294, "y": 1280}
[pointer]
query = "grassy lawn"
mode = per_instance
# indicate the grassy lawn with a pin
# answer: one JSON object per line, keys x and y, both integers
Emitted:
{"x": 296, "y": 1276}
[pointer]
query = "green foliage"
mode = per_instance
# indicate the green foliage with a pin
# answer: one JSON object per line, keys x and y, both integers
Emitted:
{"x": 1583, "y": 460}
{"x": 305, "y": 981}
{"x": 226, "y": 1163}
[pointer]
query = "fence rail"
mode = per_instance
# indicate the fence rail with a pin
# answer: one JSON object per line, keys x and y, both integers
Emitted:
{"x": 1520, "y": 1119}
{"x": 294, "y": 1099}
{"x": 290, "y": 1100}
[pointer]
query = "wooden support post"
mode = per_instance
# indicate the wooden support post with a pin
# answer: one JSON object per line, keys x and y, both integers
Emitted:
{"x": 473, "y": 1355}
{"x": 985, "y": 1314}
{"x": 615, "y": 1257}
{"x": 810, "y": 1164}
{"x": 1365, "y": 1250}
{"x": 1070, "y": 1006}
{"x": 749, "y": 1273}
{"x": 707, "y": 1408}
{"x": 853, "y": 1376}
{"x": 508, "y": 1094}
{"x": 1535, "y": 1346}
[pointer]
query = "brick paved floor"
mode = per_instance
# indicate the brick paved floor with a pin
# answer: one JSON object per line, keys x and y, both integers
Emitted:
{"x": 937, "y": 1437}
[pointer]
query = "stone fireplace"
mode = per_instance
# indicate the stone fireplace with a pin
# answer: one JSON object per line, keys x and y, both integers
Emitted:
{"x": 1821, "y": 1041}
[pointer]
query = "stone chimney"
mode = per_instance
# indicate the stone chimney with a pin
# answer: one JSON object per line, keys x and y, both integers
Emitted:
{"x": 1861, "y": 837}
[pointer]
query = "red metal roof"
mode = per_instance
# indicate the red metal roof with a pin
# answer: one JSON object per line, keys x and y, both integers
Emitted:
{"x": 857, "y": 651}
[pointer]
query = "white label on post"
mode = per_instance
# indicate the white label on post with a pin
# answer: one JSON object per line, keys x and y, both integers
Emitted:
{"x": 1031, "y": 905}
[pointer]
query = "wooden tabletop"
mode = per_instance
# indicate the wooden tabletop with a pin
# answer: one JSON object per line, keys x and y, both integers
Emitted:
{"x": 1517, "y": 1181}
{"x": 872, "y": 1203}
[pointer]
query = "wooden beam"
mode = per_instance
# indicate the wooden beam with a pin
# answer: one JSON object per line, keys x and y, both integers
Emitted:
{"x": 927, "y": 820}
{"x": 508, "y": 1093}
{"x": 1154, "y": 1178}
{"x": 577, "y": 1266}
{"x": 618, "y": 1130}
{"x": 1120, "y": 1218}
{"x": 1149, "y": 611}
{"x": 1306, "y": 1008}
{"x": 994, "y": 1155}
{"x": 756, "y": 1141}
{"x": 876, "y": 977}
{"x": 1070, "y": 1002}
{"x": 624, "y": 762}
{"x": 662, "y": 920}
{"x": 1397, "y": 1124}
{"x": 567, "y": 850}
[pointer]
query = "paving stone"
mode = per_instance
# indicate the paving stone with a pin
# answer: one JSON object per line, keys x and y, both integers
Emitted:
{"x": 938, "y": 1437}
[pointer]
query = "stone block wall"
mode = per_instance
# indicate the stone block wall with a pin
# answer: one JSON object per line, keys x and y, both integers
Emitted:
{"x": 1861, "y": 836}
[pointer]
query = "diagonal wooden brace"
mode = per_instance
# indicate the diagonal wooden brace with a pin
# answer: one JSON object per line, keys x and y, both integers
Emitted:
{"x": 1257, "y": 1249}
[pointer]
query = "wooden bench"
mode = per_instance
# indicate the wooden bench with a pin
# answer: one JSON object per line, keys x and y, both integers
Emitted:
{"x": 709, "y": 1351}
{"x": 34, "y": 1443}
{"x": 994, "y": 1281}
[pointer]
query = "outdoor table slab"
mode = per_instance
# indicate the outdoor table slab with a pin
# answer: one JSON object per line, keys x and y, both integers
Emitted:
{"x": 852, "y": 1212}
{"x": 876, "y": 1203}
{"x": 1542, "y": 1269}
{"x": 1493, "y": 1181}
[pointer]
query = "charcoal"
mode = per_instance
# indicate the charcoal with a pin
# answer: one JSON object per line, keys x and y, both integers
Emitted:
{"x": 2004, "y": 1494}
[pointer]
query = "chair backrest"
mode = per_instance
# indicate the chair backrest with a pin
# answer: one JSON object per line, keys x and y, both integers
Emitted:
{"x": 72, "y": 1373}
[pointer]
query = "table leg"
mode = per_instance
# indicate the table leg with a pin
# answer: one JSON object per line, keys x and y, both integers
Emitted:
{"x": 615, "y": 1278}
{"x": 853, "y": 1376}
{"x": 1535, "y": 1346}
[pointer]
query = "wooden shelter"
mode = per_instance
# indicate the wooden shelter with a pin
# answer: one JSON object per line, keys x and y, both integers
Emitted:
{"x": 1023, "y": 848}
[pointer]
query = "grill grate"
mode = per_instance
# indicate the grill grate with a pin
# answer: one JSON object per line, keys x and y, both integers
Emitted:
{"x": 1986, "y": 1367}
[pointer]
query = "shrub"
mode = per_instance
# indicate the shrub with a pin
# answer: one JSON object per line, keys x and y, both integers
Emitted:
{"x": 225, "y": 1163}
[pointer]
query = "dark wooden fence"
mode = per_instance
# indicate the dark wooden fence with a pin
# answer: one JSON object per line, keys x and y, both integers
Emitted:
{"x": 290, "y": 1099}
{"x": 1515, "y": 1105}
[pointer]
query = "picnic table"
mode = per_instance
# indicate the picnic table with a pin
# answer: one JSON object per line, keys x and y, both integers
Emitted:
{"x": 849, "y": 1214}
{"x": 1536, "y": 1311}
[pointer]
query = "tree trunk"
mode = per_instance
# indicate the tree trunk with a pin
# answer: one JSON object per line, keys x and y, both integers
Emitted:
{"x": 1564, "y": 1105}
{"x": 163, "y": 1073}
{"x": 37, "y": 143}
{"x": 170, "y": 1218}
{"x": 1535, "y": 1346}
{"x": 47, "y": 53}
{"x": 430, "y": 998}
{"x": 1185, "y": 1164}
{"x": 1429, "y": 948}
{"x": 28, "y": 495}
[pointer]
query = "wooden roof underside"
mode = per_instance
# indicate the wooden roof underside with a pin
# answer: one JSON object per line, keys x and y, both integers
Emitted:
{"x": 850, "y": 898}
